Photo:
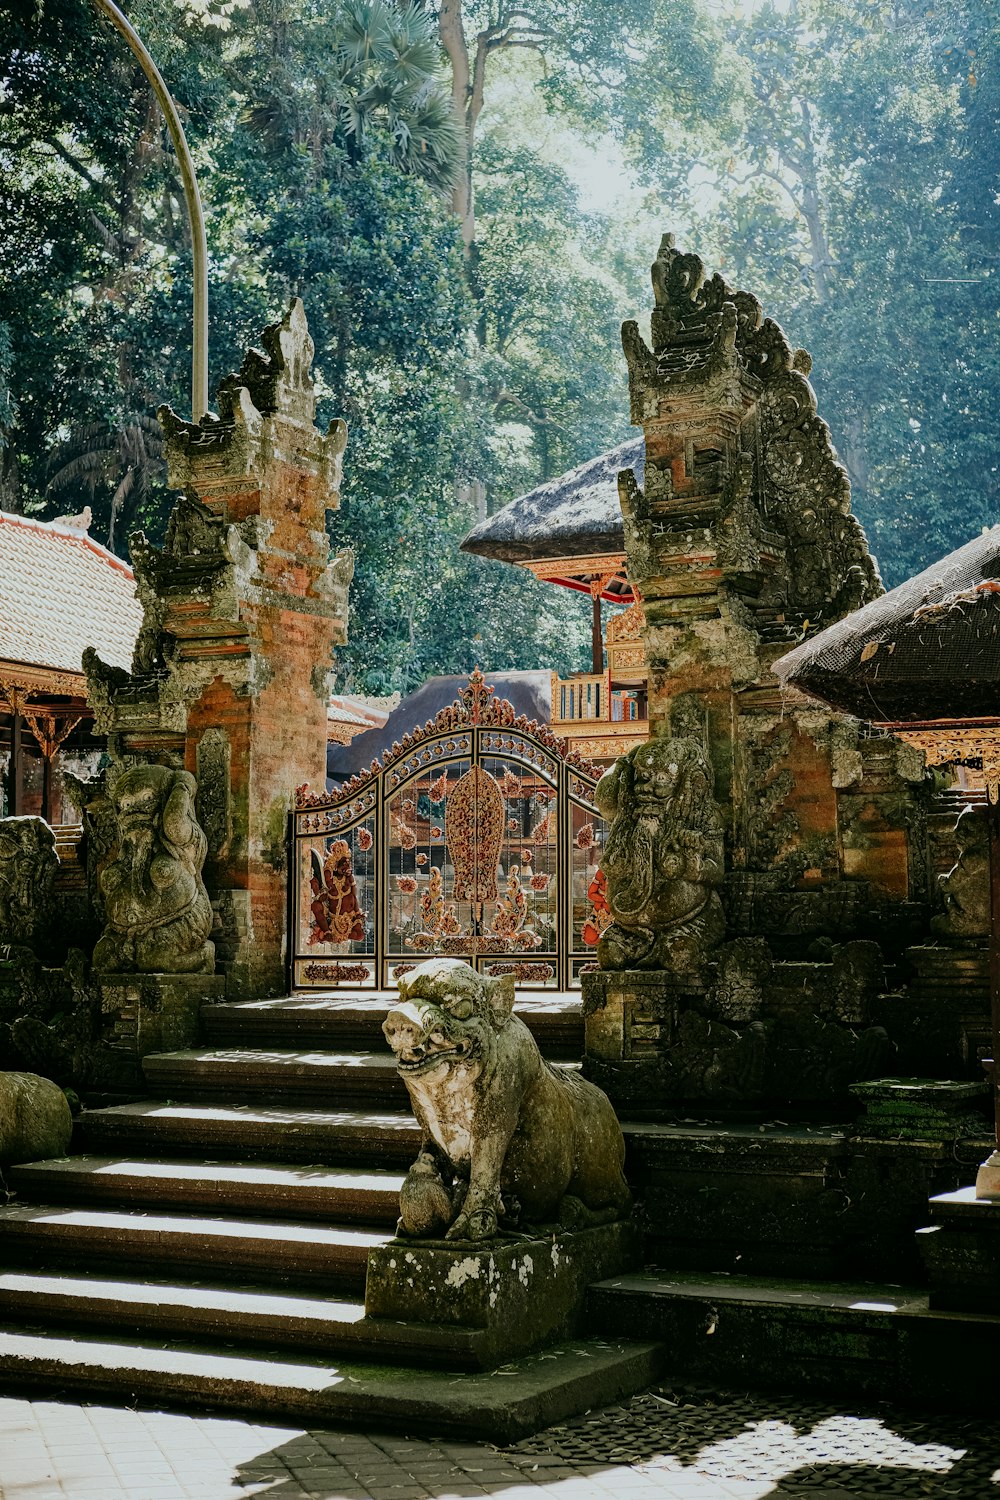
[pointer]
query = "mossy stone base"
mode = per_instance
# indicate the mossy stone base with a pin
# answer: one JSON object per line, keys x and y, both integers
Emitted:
{"x": 507, "y": 1296}
{"x": 143, "y": 1013}
{"x": 925, "y": 1109}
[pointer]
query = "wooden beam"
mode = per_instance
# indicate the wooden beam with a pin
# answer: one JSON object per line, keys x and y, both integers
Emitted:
{"x": 597, "y": 635}
{"x": 15, "y": 772}
{"x": 993, "y": 818}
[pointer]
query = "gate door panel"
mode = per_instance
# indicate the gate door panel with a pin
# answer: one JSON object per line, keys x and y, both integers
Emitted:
{"x": 476, "y": 837}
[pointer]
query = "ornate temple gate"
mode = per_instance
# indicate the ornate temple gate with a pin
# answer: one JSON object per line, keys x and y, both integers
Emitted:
{"x": 476, "y": 837}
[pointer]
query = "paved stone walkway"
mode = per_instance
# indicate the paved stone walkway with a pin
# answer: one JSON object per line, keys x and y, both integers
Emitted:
{"x": 676, "y": 1445}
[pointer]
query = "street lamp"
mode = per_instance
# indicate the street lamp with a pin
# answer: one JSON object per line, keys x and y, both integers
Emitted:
{"x": 196, "y": 218}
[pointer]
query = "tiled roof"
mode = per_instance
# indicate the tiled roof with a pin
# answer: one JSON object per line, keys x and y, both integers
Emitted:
{"x": 60, "y": 592}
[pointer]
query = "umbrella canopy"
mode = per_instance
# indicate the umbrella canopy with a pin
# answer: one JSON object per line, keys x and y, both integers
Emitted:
{"x": 568, "y": 530}
{"x": 926, "y": 651}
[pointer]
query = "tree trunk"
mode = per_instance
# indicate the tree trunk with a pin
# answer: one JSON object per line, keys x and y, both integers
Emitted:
{"x": 452, "y": 33}
{"x": 812, "y": 210}
{"x": 468, "y": 91}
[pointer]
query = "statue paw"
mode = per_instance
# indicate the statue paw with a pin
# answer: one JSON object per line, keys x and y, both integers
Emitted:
{"x": 480, "y": 1225}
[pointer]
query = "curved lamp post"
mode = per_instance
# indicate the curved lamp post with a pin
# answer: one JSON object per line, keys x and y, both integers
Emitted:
{"x": 196, "y": 218}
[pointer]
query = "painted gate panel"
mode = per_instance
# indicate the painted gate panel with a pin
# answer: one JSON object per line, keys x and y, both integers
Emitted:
{"x": 476, "y": 837}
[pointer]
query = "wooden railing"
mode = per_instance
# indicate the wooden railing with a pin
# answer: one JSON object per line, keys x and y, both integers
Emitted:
{"x": 591, "y": 698}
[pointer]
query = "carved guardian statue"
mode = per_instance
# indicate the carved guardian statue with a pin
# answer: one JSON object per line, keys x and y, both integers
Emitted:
{"x": 508, "y": 1140}
{"x": 28, "y": 864}
{"x": 158, "y": 912}
{"x": 663, "y": 858}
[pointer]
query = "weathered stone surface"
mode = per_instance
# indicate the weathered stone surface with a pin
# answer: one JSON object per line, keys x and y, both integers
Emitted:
{"x": 50, "y": 1018}
{"x": 744, "y": 973}
{"x": 663, "y": 858}
{"x": 517, "y": 1293}
{"x": 158, "y": 912}
{"x": 774, "y": 1199}
{"x": 28, "y": 865}
{"x": 927, "y": 1109}
{"x": 655, "y": 1039}
{"x": 507, "y": 1139}
{"x": 815, "y": 870}
{"x": 88, "y": 1031}
{"x": 965, "y": 889}
{"x": 35, "y": 1119}
{"x": 734, "y": 445}
{"x": 143, "y": 1013}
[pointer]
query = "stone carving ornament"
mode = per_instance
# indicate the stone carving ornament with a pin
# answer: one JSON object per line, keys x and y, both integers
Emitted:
{"x": 28, "y": 864}
{"x": 508, "y": 1140}
{"x": 701, "y": 328}
{"x": 663, "y": 859}
{"x": 965, "y": 889}
{"x": 158, "y": 912}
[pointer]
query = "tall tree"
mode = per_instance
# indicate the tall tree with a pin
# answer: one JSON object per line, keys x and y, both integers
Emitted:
{"x": 629, "y": 67}
{"x": 859, "y": 202}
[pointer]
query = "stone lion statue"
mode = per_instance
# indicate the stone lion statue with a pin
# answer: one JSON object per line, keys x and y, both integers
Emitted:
{"x": 158, "y": 912}
{"x": 508, "y": 1140}
{"x": 663, "y": 858}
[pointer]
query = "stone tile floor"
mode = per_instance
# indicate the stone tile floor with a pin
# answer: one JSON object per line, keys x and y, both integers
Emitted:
{"x": 679, "y": 1445}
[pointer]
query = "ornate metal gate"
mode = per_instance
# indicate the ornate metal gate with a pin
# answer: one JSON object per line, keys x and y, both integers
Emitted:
{"x": 476, "y": 837}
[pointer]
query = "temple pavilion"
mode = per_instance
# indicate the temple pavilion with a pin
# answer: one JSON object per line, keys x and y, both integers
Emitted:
{"x": 60, "y": 591}
{"x": 569, "y": 532}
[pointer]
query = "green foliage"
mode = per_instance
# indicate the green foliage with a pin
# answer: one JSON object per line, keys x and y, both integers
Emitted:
{"x": 326, "y": 143}
{"x": 837, "y": 157}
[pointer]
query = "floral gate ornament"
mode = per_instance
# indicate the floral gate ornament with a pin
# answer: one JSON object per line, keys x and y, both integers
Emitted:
{"x": 476, "y": 836}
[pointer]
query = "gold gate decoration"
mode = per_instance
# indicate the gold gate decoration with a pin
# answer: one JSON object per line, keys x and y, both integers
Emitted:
{"x": 476, "y": 836}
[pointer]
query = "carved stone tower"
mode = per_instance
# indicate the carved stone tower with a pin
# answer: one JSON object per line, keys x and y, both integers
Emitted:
{"x": 243, "y": 608}
{"x": 744, "y": 523}
{"x": 740, "y": 542}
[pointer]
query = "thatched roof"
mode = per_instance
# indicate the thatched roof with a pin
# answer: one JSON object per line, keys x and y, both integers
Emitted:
{"x": 929, "y": 649}
{"x": 576, "y": 515}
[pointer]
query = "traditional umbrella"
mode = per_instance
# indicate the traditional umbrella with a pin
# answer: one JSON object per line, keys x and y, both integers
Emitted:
{"x": 923, "y": 661}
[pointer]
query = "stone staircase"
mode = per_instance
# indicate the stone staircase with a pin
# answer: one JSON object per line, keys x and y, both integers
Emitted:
{"x": 209, "y": 1252}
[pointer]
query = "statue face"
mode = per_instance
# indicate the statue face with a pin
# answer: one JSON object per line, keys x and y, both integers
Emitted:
{"x": 446, "y": 1015}
{"x": 138, "y": 797}
{"x": 657, "y": 777}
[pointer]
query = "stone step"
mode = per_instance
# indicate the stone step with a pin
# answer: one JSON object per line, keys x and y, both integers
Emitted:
{"x": 250, "y": 1073}
{"x": 865, "y": 1339}
{"x": 532, "y": 1392}
{"x": 245, "y": 1132}
{"x": 223, "y": 1073}
{"x": 351, "y": 1195}
{"x": 348, "y": 1020}
{"x": 228, "y": 1248}
{"x": 227, "y": 1314}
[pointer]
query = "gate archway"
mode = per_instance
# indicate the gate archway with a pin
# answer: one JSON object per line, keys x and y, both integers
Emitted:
{"x": 475, "y": 837}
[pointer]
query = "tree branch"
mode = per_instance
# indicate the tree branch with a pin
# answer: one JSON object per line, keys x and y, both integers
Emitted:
{"x": 771, "y": 176}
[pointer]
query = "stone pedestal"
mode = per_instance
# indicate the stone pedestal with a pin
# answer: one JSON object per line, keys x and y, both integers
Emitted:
{"x": 924, "y": 1109}
{"x": 988, "y": 1177}
{"x": 647, "y": 1040}
{"x": 961, "y": 1252}
{"x": 507, "y": 1296}
{"x": 143, "y": 1013}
